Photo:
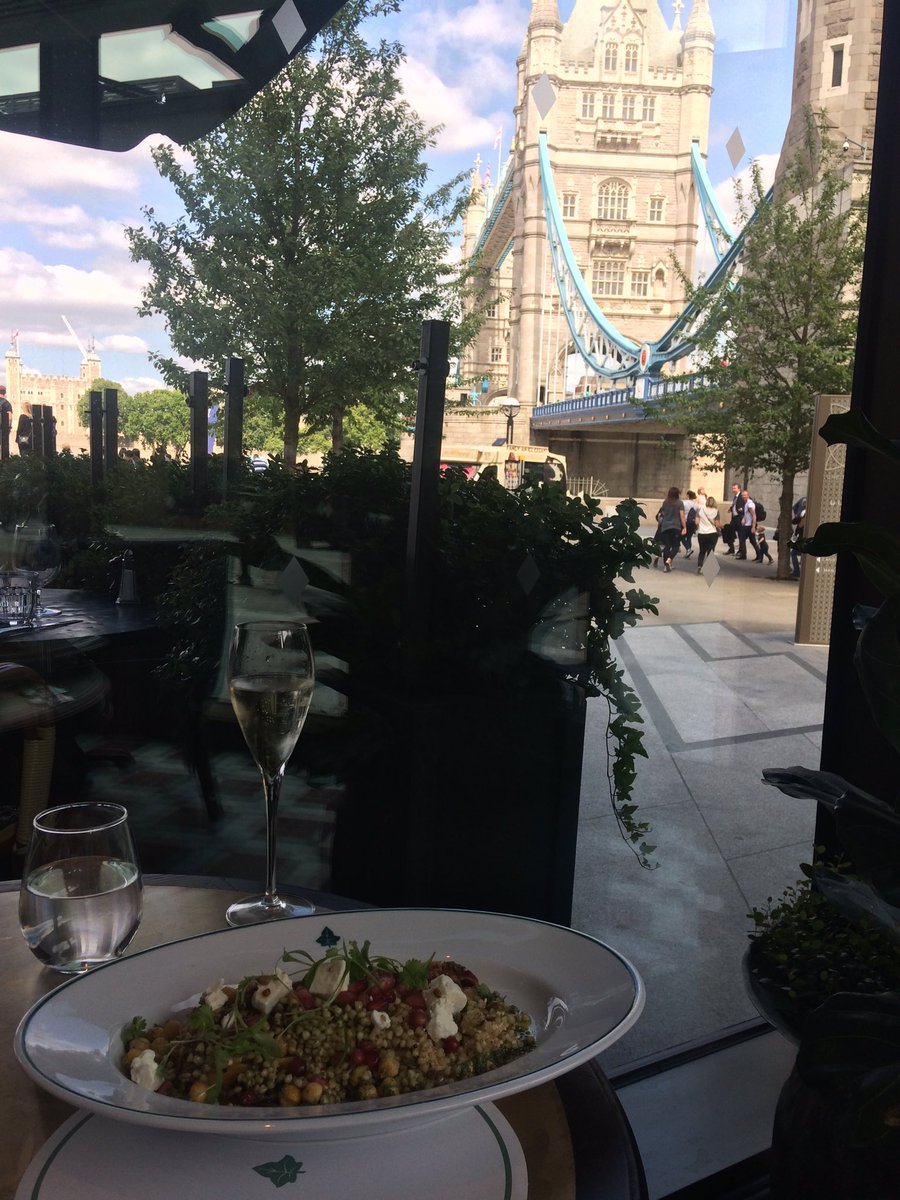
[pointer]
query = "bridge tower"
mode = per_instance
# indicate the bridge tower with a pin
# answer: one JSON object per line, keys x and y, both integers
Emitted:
{"x": 631, "y": 93}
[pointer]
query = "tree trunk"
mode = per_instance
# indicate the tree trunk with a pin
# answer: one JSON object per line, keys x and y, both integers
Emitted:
{"x": 785, "y": 527}
{"x": 337, "y": 428}
{"x": 291, "y": 430}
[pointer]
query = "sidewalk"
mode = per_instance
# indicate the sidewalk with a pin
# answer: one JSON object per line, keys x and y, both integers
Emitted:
{"x": 725, "y": 693}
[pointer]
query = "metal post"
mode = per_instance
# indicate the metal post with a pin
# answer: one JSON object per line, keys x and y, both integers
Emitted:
{"x": 37, "y": 430}
{"x": 420, "y": 821}
{"x": 198, "y": 402}
{"x": 110, "y": 427}
{"x": 433, "y": 367}
{"x": 5, "y": 424}
{"x": 96, "y": 435}
{"x": 235, "y": 391}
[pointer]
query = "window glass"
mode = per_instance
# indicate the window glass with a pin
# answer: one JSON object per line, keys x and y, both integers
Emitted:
{"x": 631, "y": 58}
{"x": 612, "y": 202}
{"x": 611, "y": 56}
{"x": 608, "y": 277}
{"x": 587, "y": 104}
{"x": 640, "y": 283}
{"x": 628, "y": 103}
{"x": 570, "y": 204}
{"x": 609, "y": 106}
{"x": 656, "y": 208}
{"x": 649, "y": 108}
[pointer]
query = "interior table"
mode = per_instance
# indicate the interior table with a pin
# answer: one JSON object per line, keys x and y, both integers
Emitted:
{"x": 575, "y": 1136}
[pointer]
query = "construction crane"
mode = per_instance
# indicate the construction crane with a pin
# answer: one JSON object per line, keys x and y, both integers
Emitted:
{"x": 74, "y": 335}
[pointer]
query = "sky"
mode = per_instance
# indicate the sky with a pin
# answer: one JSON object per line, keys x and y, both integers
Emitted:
{"x": 63, "y": 209}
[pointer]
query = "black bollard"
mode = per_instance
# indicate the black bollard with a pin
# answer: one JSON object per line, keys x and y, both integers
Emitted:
{"x": 198, "y": 402}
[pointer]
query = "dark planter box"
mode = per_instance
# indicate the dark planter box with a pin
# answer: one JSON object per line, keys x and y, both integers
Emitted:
{"x": 474, "y": 806}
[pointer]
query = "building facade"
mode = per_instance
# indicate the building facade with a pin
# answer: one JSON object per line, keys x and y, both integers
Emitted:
{"x": 631, "y": 95}
{"x": 61, "y": 392}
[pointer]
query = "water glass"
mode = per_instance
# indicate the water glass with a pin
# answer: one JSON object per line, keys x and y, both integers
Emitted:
{"x": 81, "y": 898}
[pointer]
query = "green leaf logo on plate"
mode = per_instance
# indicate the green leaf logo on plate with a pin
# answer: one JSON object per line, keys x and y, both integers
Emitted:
{"x": 284, "y": 1171}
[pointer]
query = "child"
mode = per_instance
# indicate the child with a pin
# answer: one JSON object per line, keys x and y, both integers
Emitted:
{"x": 762, "y": 546}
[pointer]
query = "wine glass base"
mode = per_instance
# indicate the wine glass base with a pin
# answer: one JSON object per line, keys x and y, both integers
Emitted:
{"x": 254, "y": 909}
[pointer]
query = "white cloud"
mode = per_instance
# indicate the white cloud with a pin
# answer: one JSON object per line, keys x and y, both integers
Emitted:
{"x": 433, "y": 100}
{"x": 34, "y": 164}
{"x": 123, "y": 343}
{"x": 140, "y": 383}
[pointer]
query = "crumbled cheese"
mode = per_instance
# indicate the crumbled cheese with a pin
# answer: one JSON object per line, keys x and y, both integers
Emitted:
{"x": 271, "y": 992}
{"x": 215, "y": 996}
{"x": 381, "y": 1020}
{"x": 441, "y": 1024}
{"x": 444, "y": 999}
{"x": 145, "y": 1071}
{"x": 443, "y": 989}
{"x": 330, "y": 978}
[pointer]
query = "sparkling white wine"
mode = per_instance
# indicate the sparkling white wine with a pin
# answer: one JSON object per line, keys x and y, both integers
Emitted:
{"x": 271, "y": 710}
{"x": 78, "y": 912}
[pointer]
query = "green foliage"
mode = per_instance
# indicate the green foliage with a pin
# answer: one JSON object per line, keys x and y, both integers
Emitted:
{"x": 806, "y": 950}
{"x": 160, "y": 418}
{"x": 786, "y": 332}
{"x": 308, "y": 244}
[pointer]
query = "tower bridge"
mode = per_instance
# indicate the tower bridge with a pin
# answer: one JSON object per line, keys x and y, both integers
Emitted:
{"x": 603, "y": 184}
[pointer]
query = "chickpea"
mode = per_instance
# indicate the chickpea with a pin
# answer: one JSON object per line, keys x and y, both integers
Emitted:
{"x": 131, "y": 1055}
{"x": 312, "y": 1093}
{"x": 159, "y": 1046}
{"x": 360, "y": 1074}
{"x": 172, "y": 1029}
{"x": 388, "y": 1065}
{"x": 139, "y": 1044}
{"x": 368, "y": 1091}
{"x": 199, "y": 1091}
{"x": 289, "y": 1095}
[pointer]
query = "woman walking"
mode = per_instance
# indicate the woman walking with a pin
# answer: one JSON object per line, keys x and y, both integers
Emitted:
{"x": 25, "y": 430}
{"x": 708, "y": 529}
{"x": 672, "y": 527}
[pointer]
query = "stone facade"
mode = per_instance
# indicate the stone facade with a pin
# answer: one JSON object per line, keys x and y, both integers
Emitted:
{"x": 632, "y": 93}
{"x": 62, "y": 392}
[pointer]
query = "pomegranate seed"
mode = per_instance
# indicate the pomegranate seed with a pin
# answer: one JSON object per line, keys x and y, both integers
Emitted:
{"x": 450, "y": 1044}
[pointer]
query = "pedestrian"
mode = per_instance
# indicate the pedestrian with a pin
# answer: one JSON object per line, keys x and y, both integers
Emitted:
{"x": 671, "y": 525}
{"x": 25, "y": 430}
{"x": 798, "y": 520}
{"x": 731, "y": 533}
{"x": 708, "y": 528}
{"x": 762, "y": 545}
{"x": 747, "y": 527}
{"x": 690, "y": 522}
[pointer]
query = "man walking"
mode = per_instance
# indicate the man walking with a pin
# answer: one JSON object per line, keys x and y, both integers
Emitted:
{"x": 736, "y": 509}
{"x": 747, "y": 528}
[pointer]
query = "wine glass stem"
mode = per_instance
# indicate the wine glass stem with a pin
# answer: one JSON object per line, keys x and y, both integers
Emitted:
{"x": 272, "y": 789}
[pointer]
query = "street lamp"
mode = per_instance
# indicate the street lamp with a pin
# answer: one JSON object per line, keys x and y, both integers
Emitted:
{"x": 849, "y": 141}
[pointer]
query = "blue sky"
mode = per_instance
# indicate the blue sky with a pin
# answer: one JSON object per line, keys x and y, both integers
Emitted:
{"x": 63, "y": 208}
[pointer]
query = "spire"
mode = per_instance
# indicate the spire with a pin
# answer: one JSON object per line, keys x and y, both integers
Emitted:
{"x": 700, "y": 20}
{"x": 543, "y": 13}
{"x": 678, "y": 5}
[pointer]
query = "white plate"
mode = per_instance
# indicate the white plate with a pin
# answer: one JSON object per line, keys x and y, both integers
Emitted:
{"x": 582, "y": 996}
{"x": 475, "y": 1154}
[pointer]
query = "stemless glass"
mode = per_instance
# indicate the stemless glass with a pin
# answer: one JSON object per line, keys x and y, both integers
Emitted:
{"x": 271, "y": 675}
{"x": 37, "y": 557}
{"x": 81, "y": 898}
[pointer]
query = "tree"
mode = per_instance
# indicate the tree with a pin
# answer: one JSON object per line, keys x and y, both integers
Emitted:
{"x": 161, "y": 418}
{"x": 99, "y": 385}
{"x": 307, "y": 245}
{"x": 785, "y": 333}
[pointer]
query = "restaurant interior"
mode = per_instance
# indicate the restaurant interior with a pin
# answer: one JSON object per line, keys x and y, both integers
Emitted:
{"x": 421, "y": 780}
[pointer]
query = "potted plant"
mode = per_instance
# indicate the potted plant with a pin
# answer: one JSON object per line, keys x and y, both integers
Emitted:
{"x": 460, "y": 752}
{"x": 837, "y": 1130}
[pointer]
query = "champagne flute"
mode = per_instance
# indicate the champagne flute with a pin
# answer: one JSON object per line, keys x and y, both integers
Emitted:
{"x": 271, "y": 675}
{"x": 37, "y": 557}
{"x": 81, "y": 899}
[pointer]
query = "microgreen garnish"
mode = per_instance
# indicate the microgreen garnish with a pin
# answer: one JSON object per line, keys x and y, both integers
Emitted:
{"x": 135, "y": 1028}
{"x": 328, "y": 938}
{"x": 361, "y": 964}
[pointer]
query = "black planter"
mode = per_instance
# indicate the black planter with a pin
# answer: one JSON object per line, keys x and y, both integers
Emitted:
{"x": 476, "y": 806}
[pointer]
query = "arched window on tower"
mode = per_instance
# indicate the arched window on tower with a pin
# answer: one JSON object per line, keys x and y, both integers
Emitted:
{"x": 612, "y": 201}
{"x": 659, "y": 283}
{"x": 631, "y": 58}
{"x": 611, "y": 56}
